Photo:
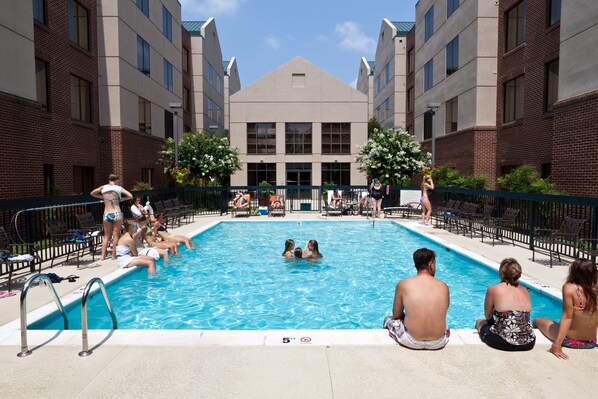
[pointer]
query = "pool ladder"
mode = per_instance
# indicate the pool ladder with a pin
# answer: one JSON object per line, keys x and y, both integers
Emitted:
{"x": 23, "y": 304}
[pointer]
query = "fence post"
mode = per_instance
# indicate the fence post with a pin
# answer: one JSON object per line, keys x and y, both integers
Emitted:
{"x": 30, "y": 239}
{"x": 594, "y": 232}
{"x": 532, "y": 223}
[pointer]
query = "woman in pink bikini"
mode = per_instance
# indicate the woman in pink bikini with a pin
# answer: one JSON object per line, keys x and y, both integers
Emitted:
{"x": 427, "y": 184}
{"x": 577, "y": 328}
{"x": 112, "y": 194}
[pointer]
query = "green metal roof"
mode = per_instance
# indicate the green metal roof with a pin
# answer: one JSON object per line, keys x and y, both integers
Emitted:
{"x": 225, "y": 65}
{"x": 403, "y": 27}
{"x": 372, "y": 65}
{"x": 193, "y": 27}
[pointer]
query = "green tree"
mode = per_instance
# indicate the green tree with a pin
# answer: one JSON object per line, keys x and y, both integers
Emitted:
{"x": 373, "y": 125}
{"x": 451, "y": 177}
{"x": 203, "y": 158}
{"x": 392, "y": 156}
{"x": 526, "y": 179}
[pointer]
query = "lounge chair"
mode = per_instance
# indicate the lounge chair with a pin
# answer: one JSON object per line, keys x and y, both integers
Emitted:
{"x": 567, "y": 235}
{"x": 72, "y": 241}
{"x": 404, "y": 211}
{"x": 496, "y": 226}
{"x": 367, "y": 209}
{"x": 242, "y": 210}
{"x": 276, "y": 206}
{"x": 332, "y": 210}
{"x": 470, "y": 220}
{"x": 14, "y": 261}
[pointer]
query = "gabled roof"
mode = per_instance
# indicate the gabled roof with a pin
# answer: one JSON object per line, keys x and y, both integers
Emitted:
{"x": 372, "y": 65}
{"x": 193, "y": 27}
{"x": 403, "y": 27}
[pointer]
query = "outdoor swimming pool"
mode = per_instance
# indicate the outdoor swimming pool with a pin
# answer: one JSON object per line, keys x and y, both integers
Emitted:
{"x": 238, "y": 280}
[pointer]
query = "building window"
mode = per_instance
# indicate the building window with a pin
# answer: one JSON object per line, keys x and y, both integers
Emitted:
{"x": 185, "y": 60}
{"x": 168, "y": 75}
{"x": 211, "y": 107}
{"x": 298, "y": 80}
{"x": 219, "y": 115}
{"x": 452, "y": 56}
{"x": 80, "y": 99}
{"x": 143, "y": 55}
{"x": 186, "y": 99}
{"x": 166, "y": 23}
{"x": 143, "y": 5}
{"x": 41, "y": 82}
{"x": 410, "y": 99}
{"x": 218, "y": 84}
{"x": 554, "y": 12}
{"x": 546, "y": 170}
{"x": 387, "y": 106}
{"x": 451, "y": 6}
{"x": 377, "y": 84}
{"x": 411, "y": 61}
{"x": 514, "y": 99}
{"x": 338, "y": 173}
{"x": 451, "y": 111}
{"x": 298, "y": 138}
{"x": 259, "y": 172}
{"x": 429, "y": 24}
{"x": 78, "y": 24}
{"x": 83, "y": 179}
{"x": 429, "y": 75}
{"x": 168, "y": 127}
{"x": 210, "y": 74}
{"x": 49, "y": 180}
{"x": 261, "y": 138}
{"x": 428, "y": 125}
{"x": 552, "y": 84}
{"x": 147, "y": 176}
{"x": 299, "y": 174}
{"x": 145, "y": 116}
{"x": 39, "y": 11}
{"x": 515, "y": 26}
{"x": 387, "y": 72}
{"x": 336, "y": 138}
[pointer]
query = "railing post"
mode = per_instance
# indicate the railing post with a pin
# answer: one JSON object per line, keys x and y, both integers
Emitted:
{"x": 532, "y": 223}
{"x": 594, "y": 232}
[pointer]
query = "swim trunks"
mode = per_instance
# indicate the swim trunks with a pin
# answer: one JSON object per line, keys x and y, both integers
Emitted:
{"x": 397, "y": 331}
{"x": 578, "y": 343}
{"x": 149, "y": 252}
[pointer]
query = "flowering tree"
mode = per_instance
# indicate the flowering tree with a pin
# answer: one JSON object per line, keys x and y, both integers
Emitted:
{"x": 392, "y": 156}
{"x": 203, "y": 158}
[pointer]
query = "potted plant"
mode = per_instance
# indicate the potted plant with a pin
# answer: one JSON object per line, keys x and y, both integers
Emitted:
{"x": 265, "y": 194}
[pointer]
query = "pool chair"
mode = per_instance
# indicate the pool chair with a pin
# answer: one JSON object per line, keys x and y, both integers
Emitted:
{"x": 552, "y": 240}
{"x": 276, "y": 206}
{"x": 242, "y": 210}
{"x": 333, "y": 210}
{"x": 365, "y": 204}
{"x": 10, "y": 260}
{"x": 66, "y": 242}
{"x": 405, "y": 211}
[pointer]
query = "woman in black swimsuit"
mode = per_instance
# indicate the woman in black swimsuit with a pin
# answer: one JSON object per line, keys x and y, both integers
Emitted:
{"x": 376, "y": 194}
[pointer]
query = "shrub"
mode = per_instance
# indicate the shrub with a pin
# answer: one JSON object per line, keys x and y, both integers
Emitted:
{"x": 526, "y": 179}
{"x": 141, "y": 186}
{"x": 450, "y": 177}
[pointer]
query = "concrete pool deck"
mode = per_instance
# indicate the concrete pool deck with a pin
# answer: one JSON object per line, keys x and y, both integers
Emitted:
{"x": 258, "y": 364}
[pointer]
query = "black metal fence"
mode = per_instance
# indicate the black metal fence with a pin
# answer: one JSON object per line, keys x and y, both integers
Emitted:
{"x": 24, "y": 220}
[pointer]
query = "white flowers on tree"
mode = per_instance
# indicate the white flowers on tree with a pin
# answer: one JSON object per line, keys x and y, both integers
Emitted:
{"x": 392, "y": 156}
{"x": 208, "y": 158}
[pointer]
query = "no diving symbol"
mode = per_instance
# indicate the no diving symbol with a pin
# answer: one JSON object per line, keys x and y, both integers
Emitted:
{"x": 305, "y": 340}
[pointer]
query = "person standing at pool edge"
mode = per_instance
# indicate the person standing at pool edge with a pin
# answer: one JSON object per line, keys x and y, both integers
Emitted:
{"x": 420, "y": 305}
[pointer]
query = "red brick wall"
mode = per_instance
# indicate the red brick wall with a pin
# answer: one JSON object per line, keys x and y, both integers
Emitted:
{"x": 575, "y": 145}
{"x": 528, "y": 140}
{"x": 33, "y": 137}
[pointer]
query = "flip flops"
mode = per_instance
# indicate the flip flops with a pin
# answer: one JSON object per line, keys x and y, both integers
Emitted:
{"x": 71, "y": 279}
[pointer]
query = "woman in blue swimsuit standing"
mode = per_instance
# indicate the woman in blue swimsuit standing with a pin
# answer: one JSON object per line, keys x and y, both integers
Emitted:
{"x": 112, "y": 194}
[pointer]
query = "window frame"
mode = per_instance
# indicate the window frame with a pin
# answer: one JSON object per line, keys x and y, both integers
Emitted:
{"x": 452, "y": 56}
{"x": 39, "y": 10}
{"x": 429, "y": 24}
{"x": 451, "y": 7}
{"x": 411, "y": 61}
{"x": 330, "y": 171}
{"x": 507, "y": 117}
{"x": 548, "y": 105}
{"x": 336, "y": 138}
{"x": 552, "y": 12}
{"x": 143, "y": 6}
{"x": 166, "y": 23}
{"x": 75, "y": 28}
{"x": 428, "y": 124}
{"x": 42, "y": 85}
{"x": 451, "y": 107}
{"x": 387, "y": 72}
{"x": 512, "y": 41}
{"x": 262, "y": 171}
{"x": 298, "y": 142}
{"x": 83, "y": 104}
{"x": 168, "y": 76}
{"x": 410, "y": 99}
{"x": 428, "y": 75}
{"x": 143, "y": 55}
{"x": 145, "y": 120}
{"x": 261, "y": 137}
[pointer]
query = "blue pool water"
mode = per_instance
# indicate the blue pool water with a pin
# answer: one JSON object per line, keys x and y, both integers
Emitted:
{"x": 239, "y": 280}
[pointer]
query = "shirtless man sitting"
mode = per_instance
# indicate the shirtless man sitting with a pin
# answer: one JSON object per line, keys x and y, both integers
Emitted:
{"x": 418, "y": 318}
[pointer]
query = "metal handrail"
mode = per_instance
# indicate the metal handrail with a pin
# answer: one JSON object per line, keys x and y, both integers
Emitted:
{"x": 86, "y": 351}
{"x": 23, "y": 304}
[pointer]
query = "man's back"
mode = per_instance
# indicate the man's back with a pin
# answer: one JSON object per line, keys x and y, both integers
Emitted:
{"x": 426, "y": 301}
